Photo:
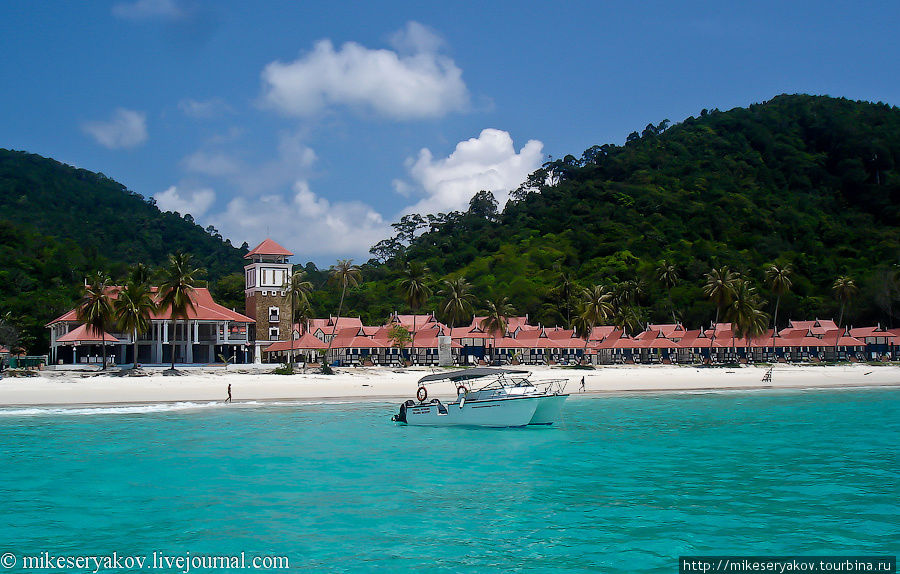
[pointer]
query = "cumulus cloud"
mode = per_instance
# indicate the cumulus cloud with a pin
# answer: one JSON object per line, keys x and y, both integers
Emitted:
{"x": 488, "y": 162}
{"x": 293, "y": 161}
{"x": 140, "y": 10}
{"x": 124, "y": 129}
{"x": 196, "y": 202}
{"x": 416, "y": 83}
{"x": 216, "y": 164}
{"x": 309, "y": 225}
{"x": 204, "y": 109}
{"x": 416, "y": 38}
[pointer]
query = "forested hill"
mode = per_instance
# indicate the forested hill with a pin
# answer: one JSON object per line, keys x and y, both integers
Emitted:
{"x": 59, "y": 223}
{"x": 800, "y": 180}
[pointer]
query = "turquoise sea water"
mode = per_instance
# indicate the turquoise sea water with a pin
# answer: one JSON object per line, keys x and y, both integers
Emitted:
{"x": 622, "y": 484}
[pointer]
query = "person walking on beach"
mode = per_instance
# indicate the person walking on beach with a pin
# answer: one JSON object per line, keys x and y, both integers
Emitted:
{"x": 228, "y": 400}
{"x": 582, "y": 384}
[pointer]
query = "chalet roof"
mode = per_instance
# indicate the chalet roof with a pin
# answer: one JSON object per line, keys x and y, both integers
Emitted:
{"x": 327, "y": 324}
{"x": 668, "y": 329}
{"x": 352, "y": 341}
{"x": 817, "y": 327}
{"x": 86, "y": 334}
{"x": 876, "y": 331}
{"x": 268, "y": 247}
{"x": 304, "y": 343}
{"x": 468, "y": 333}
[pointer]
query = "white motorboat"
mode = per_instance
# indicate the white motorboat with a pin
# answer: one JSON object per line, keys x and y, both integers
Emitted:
{"x": 501, "y": 398}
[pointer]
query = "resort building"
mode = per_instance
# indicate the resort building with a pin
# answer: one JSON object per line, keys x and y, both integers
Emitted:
{"x": 265, "y": 333}
{"x": 210, "y": 331}
{"x": 526, "y": 344}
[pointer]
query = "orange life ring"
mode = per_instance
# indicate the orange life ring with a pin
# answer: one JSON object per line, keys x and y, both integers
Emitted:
{"x": 422, "y": 394}
{"x": 461, "y": 389}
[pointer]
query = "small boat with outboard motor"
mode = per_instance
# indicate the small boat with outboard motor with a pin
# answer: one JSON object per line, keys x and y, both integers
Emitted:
{"x": 486, "y": 397}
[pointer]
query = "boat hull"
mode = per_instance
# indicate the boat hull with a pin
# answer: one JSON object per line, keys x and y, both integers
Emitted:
{"x": 548, "y": 410}
{"x": 508, "y": 412}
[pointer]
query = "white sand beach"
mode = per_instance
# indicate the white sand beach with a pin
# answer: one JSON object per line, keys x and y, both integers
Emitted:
{"x": 381, "y": 383}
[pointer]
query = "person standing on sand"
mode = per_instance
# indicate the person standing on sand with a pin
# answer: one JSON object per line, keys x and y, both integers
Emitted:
{"x": 228, "y": 400}
{"x": 582, "y": 385}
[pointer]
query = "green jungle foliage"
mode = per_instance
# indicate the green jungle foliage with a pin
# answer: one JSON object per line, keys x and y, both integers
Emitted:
{"x": 58, "y": 224}
{"x": 801, "y": 180}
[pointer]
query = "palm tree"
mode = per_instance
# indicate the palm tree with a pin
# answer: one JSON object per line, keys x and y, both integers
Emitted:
{"x": 844, "y": 289}
{"x": 595, "y": 309}
{"x": 630, "y": 292}
{"x": 415, "y": 290}
{"x": 95, "y": 308}
{"x": 779, "y": 279}
{"x": 139, "y": 274}
{"x": 565, "y": 287}
{"x": 297, "y": 288}
{"x": 496, "y": 315}
{"x": 720, "y": 288}
{"x": 347, "y": 274}
{"x": 628, "y": 318}
{"x": 667, "y": 274}
{"x": 747, "y": 318}
{"x": 457, "y": 300}
{"x": 133, "y": 308}
{"x": 178, "y": 279}
{"x": 303, "y": 314}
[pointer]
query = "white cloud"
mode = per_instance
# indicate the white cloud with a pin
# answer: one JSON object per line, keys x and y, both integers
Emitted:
{"x": 216, "y": 164}
{"x": 140, "y": 10}
{"x": 419, "y": 83}
{"x": 488, "y": 162}
{"x": 124, "y": 129}
{"x": 196, "y": 202}
{"x": 416, "y": 38}
{"x": 204, "y": 109}
{"x": 309, "y": 225}
{"x": 293, "y": 162}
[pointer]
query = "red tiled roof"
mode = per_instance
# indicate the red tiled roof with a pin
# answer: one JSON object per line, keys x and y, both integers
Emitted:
{"x": 268, "y": 247}
{"x": 353, "y": 341}
{"x": 668, "y": 329}
{"x": 205, "y": 309}
{"x": 307, "y": 341}
{"x": 327, "y": 324}
{"x": 86, "y": 334}
{"x": 468, "y": 333}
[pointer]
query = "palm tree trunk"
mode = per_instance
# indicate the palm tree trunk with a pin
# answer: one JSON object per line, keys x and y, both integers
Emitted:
{"x": 712, "y": 341}
{"x": 291, "y": 332}
{"x": 103, "y": 346}
{"x": 775, "y": 317}
{"x": 672, "y": 308}
{"x": 135, "y": 350}
{"x": 172, "y": 342}
{"x": 587, "y": 338}
{"x": 841, "y": 318}
{"x": 413, "y": 352}
{"x": 334, "y": 328}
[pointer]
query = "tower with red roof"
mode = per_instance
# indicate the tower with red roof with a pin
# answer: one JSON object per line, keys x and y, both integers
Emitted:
{"x": 266, "y": 300}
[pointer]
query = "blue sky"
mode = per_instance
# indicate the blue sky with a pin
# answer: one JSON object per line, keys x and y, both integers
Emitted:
{"x": 320, "y": 123}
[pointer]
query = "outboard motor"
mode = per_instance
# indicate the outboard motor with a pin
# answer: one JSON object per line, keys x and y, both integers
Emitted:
{"x": 401, "y": 418}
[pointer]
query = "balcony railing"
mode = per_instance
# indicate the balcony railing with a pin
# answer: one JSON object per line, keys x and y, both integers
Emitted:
{"x": 273, "y": 318}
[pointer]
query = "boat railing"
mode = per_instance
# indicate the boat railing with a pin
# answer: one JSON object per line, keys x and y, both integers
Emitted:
{"x": 554, "y": 386}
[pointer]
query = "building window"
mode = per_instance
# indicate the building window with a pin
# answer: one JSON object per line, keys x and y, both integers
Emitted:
{"x": 273, "y": 334}
{"x": 273, "y": 314}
